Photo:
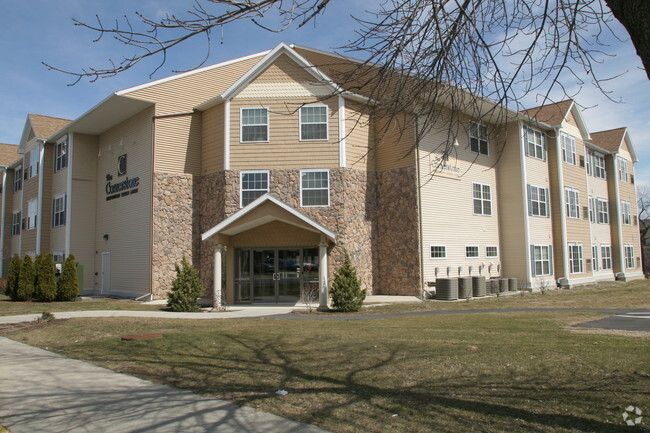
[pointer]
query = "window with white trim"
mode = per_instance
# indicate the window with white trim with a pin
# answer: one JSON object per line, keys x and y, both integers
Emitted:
{"x": 478, "y": 138}
{"x": 32, "y": 214}
{"x": 572, "y": 200}
{"x": 629, "y": 256}
{"x": 568, "y": 149}
{"x": 58, "y": 210}
{"x": 314, "y": 188}
{"x": 253, "y": 184}
{"x": 471, "y": 251}
{"x": 626, "y": 212}
{"x": 18, "y": 178}
{"x": 535, "y": 143}
{"x": 58, "y": 257}
{"x": 15, "y": 223}
{"x": 575, "y": 258}
{"x": 61, "y": 154}
{"x": 542, "y": 260}
{"x": 313, "y": 122}
{"x": 254, "y": 125}
{"x": 596, "y": 164}
{"x": 592, "y": 209}
{"x": 602, "y": 207}
{"x": 438, "y": 251}
{"x": 34, "y": 157}
{"x": 538, "y": 201}
{"x": 622, "y": 169}
{"x": 594, "y": 257}
{"x": 491, "y": 251}
{"x": 482, "y": 199}
{"x": 606, "y": 254}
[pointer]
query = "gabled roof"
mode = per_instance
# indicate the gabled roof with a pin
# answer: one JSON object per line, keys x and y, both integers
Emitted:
{"x": 45, "y": 126}
{"x": 8, "y": 154}
{"x": 292, "y": 216}
{"x": 555, "y": 114}
{"x": 612, "y": 139}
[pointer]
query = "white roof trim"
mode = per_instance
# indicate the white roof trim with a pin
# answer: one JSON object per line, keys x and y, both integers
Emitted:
{"x": 188, "y": 73}
{"x": 327, "y": 53}
{"x": 258, "y": 202}
{"x": 582, "y": 126}
{"x": 630, "y": 146}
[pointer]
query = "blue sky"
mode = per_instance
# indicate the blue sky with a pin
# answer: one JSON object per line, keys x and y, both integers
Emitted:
{"x": 38, "y": 30}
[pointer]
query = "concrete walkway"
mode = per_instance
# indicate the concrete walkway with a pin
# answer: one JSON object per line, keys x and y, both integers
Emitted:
{"x": 45, "y": 392}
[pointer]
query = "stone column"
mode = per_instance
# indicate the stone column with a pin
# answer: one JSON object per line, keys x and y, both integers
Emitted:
{"x": 323, "y": 289}
{"x": 216, "y": 289}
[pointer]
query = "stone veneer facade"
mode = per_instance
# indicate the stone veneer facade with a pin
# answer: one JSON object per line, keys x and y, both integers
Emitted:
{"x": 374, "y": 216}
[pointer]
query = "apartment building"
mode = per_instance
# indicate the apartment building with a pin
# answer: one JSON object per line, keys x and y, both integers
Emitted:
{"x": 264, "y": 170}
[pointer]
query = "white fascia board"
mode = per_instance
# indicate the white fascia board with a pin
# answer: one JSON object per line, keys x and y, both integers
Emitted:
{"x": 630, "y": 146}
{"x": 256, "y": 203}
{"x": 327, "y": 53}
{"x": 582, "y": 126}
{"x": 212, "y": 102}
{"x": 188, "y": 73}
{"x": 598, "y": 149}
{"x": 23, "y": 139}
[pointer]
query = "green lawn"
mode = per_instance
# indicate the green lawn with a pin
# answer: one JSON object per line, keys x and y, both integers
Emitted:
{"x": 493, "y": 372}
{"x": 10, "y": 308}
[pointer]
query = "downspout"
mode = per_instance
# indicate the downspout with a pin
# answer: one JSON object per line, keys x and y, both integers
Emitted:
{"x": 342, "y": 133}
{"x": 39, "y": 209}
{"x": 591, "y": 237}
{"x": 560, "y": 177}
{"x": 151, "y": 207}
{"x": 68, "y": 195}
{"x": 619, "y": 217}
{"x": 524, "y": 191}
{"x": 22, "y": 203}
{"x": 226, "y": 135}
{"x": 2, "y": 219}
{"x": 419, "y": 209}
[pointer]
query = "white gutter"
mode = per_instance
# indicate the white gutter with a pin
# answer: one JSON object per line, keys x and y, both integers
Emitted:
{"x": 68, "y": 206}
{"x": 2, "y": 220}
{"x": 39, "y": 208}
{"x": 419, "y": 210}
{"x": 226, "y": 135}
{"x": 619, "y": 221}
{"x": 591, "y": 237}
{"x": 560, "y": 176}
{"x": 342, "y": 132}
{"x": 524, "y": 191}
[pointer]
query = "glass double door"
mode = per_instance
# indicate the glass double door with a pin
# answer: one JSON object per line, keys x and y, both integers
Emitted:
{"x": 274, "y": 274}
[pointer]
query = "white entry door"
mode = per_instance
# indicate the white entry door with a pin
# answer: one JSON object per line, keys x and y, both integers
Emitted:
{"x": 106, "y": 272}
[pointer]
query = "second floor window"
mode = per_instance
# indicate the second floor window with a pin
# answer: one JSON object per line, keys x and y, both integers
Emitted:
{"x": 314, "y": 188}
{"x": 34, "y": 157}
{"x": 253, "y": 185}
{"x": 603, "y": 211}
{"x": 572, "y": 199}
{"x": 568, "y": 149}
{"x": 32, "y": 214}
{"x": 254, "y": 125}
{"x": 58, "y": 211}
{"x": 15, "y": 223}
{"x": 596, "y": 165}
{"x": 537, "y": 201}
{"x": 592, "y": 209}
{"x": 482, "y": 199}
{"x": 18, "y": 179}
{"x": 626, "y": 212}
{"x": 313, "y": 123}
{"x": 478, "y": 138}
{"x": 61, "y": 155}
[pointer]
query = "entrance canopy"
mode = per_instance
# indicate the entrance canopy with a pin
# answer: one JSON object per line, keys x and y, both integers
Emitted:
{"x": 264, "y": 210}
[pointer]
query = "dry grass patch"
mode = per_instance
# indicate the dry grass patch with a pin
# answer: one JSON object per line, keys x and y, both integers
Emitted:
{"x": 11, "y": 308}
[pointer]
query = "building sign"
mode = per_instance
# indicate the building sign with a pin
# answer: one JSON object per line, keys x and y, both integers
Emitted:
{"x": 124, "y": 187}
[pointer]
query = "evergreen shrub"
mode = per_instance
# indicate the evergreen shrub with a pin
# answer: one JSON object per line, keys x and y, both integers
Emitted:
{"x": 45, "y": 290}
{"x": 346, "y": 289}
{"x": 12, "y": 277}
{"x": 186, "y": 288}
{"x": 68, "y": 286}
{"x": 25, "y": 290}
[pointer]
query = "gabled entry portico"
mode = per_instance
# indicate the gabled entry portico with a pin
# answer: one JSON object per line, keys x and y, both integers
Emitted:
{"x": 273, "y": 251}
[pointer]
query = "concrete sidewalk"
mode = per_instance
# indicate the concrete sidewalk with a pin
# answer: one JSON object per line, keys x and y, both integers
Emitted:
{"x": 45, "y": 392}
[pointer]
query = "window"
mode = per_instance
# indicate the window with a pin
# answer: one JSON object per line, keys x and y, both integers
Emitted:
{"x": 482, "y": 199}
{"x": 34, "y": 157}
{"x": 594, "y": 254}
{"x": 471, "y": 251}
{"x": 603, "y": 211}
{"x": 629, "y": 256}
{"x": 61, "y": 154}
{"x": 32, "y": 210}
{"x": 596, "y": 164}
{"x": 313, "y": 123}
{"x": 538, "y": 201}
{"x": 18, "y": 180}
{"x": 542, "y": 258}
{"x": 606, "y": 253}
{"x": 58, "y": 210}
{"x": 575, "y": 259}
{"x": 314, "y": 188}
{"x": 478, "y": 138}
{"x": 622, "y": 169}
{"x": 15, "y": 223}
{"x": 58, "y": 257}
{"x": 491, "y": 251}
{"x": 572, "y": 198}
{"x": 438, "y": 252}
{"x": 254, "y": 125}
{"x": 626, "y": 213}
{"x": 254, "y": 184}
{"x": 568, "y": 149}
{"x": 592, "y": 209}
{"x": 535, "y": 144}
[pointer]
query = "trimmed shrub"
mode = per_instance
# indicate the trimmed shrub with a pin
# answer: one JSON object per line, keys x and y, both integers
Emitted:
{"x": 68, "y": 286}
{"x": 346, "y": 288}
{"x": 186, "y": 288}
{"x": 25, "y": 290}
{"x": 45, "y": 289}
{"x": 12, "y": 277}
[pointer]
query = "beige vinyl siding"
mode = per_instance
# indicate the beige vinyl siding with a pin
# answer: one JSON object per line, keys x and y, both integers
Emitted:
{"x": 447, "y": 206}
{"x": 46, "y": 200}
{"x": 59, "y": 186}
{"x": 16, "y": 204}
{"x": 275, "y": 234}
{"x": 181, "y": 95}
{"x": 178, "y": 144}
{"x": 557, "y": 200}
{"x": 627, "y": 192}
{"x": 359, "y": 137}
{"x": 30, "y": 192}
{"x": 212, "y": 149}
{"x": 8, "y": 197}
{"x": 284, "y": 149}
{"x": 512, "y": 207}
{"x": 395, "y": 142}
{"x": 601, "y": 233}
{"x": 283, "y": 70}
{"x": 126, "y": 220}
{"x": 84, "y": 203}
{"x": 614, "y": 211}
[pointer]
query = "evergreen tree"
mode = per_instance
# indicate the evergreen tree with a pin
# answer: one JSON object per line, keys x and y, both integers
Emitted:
{"x": 346, "y": 288}
{"x": 12, "y": 277}
{"x": 25, "y": 290}
{"x": 68, "y": 286}
{"x": 45, "y": 289}
{"x": 186, "y": 288}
